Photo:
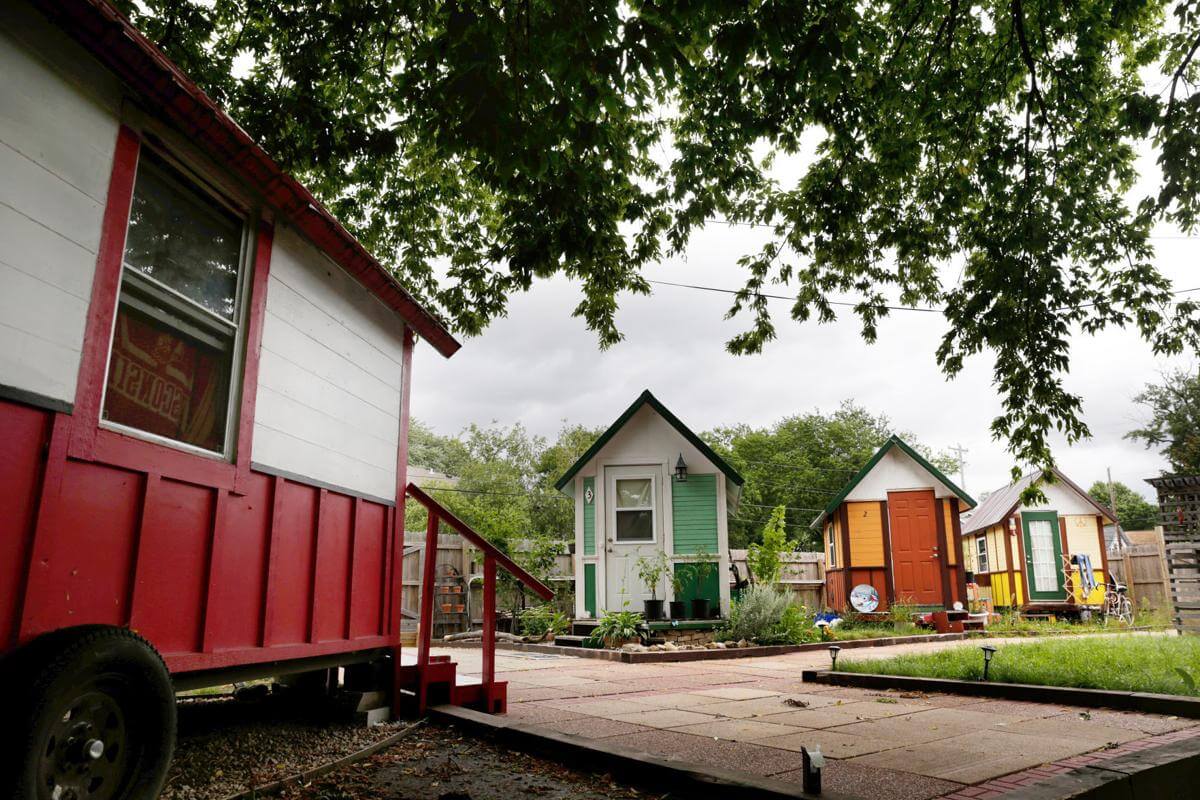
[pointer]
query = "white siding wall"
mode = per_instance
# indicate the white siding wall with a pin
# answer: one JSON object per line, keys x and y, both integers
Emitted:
{"x": 328, "y": 405}
{"x": 895, "y": 472}
{"x": 1062, "y": 500}
{"x": 58, "y": 127}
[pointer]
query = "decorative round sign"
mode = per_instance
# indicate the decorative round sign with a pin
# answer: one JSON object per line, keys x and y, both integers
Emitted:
{"x": 588, "y": 495}
{"x": 864, "y": 598}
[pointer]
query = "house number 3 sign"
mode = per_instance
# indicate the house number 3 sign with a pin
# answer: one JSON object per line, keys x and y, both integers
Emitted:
{"x": 588, "y": 494}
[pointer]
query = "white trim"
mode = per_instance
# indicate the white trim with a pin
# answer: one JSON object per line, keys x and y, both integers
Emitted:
{"x": 580, "y": 581}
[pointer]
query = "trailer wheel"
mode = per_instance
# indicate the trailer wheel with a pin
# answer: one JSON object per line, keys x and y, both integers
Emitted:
{"x": 98, "y": 722}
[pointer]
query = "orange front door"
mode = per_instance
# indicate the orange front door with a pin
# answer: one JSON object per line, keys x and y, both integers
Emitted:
{"x": 916, "y": 564}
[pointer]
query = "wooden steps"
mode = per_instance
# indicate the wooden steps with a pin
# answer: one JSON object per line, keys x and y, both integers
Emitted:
{"x": 564, "y": 640}
{"x": 441, "y": 684}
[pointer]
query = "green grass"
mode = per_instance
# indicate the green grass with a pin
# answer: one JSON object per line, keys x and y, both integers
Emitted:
{"x": 845, "y": 633}
{"x": 1158, "y": 664}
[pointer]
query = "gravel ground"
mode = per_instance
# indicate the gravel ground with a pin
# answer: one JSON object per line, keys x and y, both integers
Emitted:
{"x": 227, "y": 745}
{"x": 439, "y": 763}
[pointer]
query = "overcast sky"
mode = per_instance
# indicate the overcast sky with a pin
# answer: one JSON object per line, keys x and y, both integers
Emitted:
{"x": 540, "y": 366}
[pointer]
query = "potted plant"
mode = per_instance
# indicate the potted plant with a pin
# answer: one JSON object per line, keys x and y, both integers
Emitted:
{"x": 703, "y": 568}
{"x": 617, "y": 628}
{"x": 678, "y": 605}
{"x": 651, "y": 570}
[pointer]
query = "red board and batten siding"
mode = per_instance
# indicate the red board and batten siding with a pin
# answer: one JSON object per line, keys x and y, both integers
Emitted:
{"x": 216, "y": 563}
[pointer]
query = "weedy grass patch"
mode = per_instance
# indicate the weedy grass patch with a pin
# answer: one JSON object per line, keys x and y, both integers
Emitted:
{"x": 1157, "y": 664}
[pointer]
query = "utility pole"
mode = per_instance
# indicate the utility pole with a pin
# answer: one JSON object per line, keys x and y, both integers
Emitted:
{"x": 961, "y": 451}
{"x": 1112, "y": 503}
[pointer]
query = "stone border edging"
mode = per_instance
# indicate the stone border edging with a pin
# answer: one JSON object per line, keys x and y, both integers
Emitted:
{"x": 663, "y": 656}
{"x": 1168, "y": 704}
{"x": 679, "y": 778}
{"x": 275, "y": 787}
{"x": 671, "y": 656}
{"x": 1151, "y": 774}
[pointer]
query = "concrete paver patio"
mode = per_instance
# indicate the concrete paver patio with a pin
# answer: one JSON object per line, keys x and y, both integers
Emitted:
{"x": 754, "y": 715}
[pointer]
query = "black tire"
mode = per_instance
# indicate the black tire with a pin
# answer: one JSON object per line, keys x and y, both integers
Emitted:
{"x": 81, "y": 687}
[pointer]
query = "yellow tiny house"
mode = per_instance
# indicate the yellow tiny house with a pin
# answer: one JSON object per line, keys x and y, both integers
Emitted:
{"x": 1049, "y": 556}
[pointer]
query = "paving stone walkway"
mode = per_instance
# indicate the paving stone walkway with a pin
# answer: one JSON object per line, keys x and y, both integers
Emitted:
{"x": 754, "y": 715}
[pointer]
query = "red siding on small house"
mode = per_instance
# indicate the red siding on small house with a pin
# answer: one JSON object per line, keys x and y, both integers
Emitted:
{"x": 23, "y": 433}
{"x": 835, "y": 582}
{"x": 186, "y": 565}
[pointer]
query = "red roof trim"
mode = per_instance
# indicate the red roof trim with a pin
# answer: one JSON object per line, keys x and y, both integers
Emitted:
{"x": 113, "y": 40}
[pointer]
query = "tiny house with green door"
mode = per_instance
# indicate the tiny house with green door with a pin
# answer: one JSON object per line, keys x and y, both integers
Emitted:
{"x": 1043, "y": 557}
{"x": 650, "y": 489}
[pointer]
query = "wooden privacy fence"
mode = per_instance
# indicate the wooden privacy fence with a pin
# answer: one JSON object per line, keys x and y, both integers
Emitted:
{"x": 1143, "y": 569}
{"x": 1179, "y": 510}
{"x": 803, "y": 574}
{"x": 457, "y": 553}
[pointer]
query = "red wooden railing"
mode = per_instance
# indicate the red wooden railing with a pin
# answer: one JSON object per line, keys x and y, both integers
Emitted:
{"x": 491, "y": 557}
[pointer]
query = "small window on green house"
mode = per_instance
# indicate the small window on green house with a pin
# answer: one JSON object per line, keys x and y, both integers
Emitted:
{"x": 635, "y": 510}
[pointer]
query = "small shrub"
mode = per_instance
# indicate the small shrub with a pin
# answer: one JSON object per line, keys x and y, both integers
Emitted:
{"x": 618, "y": 627}
{"x": 764, "y": 560}
{"x": 544, "y": 621}
{"x": 757, "y": 615}
{"x": 901, "y": 614}
{"x": 797, "y": 626}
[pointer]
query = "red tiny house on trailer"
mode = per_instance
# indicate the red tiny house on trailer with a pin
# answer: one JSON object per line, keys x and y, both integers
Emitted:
{"x": 165, "y": 514}
{"x": 204, "y": 408}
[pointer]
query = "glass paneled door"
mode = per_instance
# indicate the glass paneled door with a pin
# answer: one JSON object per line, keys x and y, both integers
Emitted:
{"x": 633, "y": 529}
{"x": 1043, "y": 555}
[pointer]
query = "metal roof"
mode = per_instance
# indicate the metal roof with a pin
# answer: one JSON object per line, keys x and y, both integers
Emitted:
{"x": 1000, "y": 504}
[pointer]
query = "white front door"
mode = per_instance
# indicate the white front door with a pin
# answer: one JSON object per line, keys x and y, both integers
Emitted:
{"x": 633, "y": 528}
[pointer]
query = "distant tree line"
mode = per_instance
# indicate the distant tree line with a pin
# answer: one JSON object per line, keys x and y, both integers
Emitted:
{"x": 503, "y": 477}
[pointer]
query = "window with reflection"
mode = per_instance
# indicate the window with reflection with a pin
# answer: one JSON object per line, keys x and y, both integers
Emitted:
{"x": 635, "y": 510}
{"x": 171, "y": 367}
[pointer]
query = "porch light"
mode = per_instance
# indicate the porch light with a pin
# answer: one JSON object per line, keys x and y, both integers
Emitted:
{"x": 680, "y": 469}
{"x": 988, "y": 652}
{"x": 833, "y": 654}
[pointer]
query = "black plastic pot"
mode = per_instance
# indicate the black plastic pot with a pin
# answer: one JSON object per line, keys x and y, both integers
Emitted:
{"x": 701, "y": 608}
{"x": 678, "y": 609}
{"x": 654, "y": 609}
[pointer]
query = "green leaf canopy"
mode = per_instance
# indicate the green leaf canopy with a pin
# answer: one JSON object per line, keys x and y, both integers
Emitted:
{"x": 477, "y": 146}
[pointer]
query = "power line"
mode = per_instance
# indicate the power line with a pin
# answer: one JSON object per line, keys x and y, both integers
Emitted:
{"x": 851, "y": 304}
{"x": 531, "y": 495}
{"x": 844, "y": 470}
{"x": 772, "y": 226}
{"x": 786, "y": 508}
{"x": 784, "y": 297}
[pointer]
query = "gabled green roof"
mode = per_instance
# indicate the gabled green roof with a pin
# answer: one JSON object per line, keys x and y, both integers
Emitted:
{"x": 643, "y": 399}
{"x": 894, "y": 441}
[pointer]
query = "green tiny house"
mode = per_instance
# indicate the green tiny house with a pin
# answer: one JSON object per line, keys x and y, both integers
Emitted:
{"x": 649, "y": 487}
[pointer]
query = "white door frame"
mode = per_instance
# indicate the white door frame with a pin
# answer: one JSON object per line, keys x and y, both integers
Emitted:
{"x": 660, "y": 490}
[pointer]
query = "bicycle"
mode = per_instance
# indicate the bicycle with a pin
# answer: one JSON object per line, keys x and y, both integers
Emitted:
{"x": 1116, "y": 602}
